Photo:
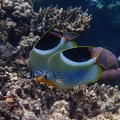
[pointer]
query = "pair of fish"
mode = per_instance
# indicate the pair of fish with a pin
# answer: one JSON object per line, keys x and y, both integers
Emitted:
{"x": 57, "y": 61}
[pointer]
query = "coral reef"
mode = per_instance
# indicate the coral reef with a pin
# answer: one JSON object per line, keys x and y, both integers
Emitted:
{"x": 25, "y": 99}
{"x": 21, "y": 97}
{"x": 17, "y": 22}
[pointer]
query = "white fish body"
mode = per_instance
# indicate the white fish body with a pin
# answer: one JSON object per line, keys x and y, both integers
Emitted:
{"x": 66, "y": 73}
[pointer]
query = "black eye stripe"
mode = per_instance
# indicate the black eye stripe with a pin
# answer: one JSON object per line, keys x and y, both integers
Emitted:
{"x": 45, "y": 76}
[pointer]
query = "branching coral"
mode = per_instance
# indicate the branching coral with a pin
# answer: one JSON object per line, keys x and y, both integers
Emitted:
{"x": 73, "y": 19}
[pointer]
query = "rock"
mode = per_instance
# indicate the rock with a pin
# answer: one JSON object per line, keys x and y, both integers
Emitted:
{"x": 31, "y": 100}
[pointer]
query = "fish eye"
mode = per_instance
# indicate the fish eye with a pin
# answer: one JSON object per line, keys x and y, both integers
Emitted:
{"x": 45, "y": 76}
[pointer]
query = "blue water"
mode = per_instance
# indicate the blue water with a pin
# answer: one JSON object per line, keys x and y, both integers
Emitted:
{"x": 105, "y": 26}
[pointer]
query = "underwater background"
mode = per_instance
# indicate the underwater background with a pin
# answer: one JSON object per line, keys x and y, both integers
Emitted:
{"x": 105, "y": 24}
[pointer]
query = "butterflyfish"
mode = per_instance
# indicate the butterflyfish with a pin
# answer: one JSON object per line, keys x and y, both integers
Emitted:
{"x": 72, "y": 67}
{"x": 50, "y": 43}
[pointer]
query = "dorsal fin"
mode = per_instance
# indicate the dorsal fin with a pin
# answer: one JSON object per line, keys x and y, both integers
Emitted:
{"x": 70, "y": 35}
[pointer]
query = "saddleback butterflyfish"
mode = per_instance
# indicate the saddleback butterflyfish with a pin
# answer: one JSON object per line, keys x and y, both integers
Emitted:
{"x": 72, "y": 67}
{"x": 50, "y": 43}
